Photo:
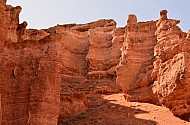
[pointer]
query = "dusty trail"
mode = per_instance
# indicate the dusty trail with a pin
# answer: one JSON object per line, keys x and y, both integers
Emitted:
{"x": 113, "y": 109}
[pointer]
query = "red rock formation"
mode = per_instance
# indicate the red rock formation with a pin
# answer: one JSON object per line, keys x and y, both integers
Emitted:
{"x": 80, "y": 74}
{"x": 31, "y": 82}
{"x": 172, "y": 67}
{"x": 4, "y": 24}
{"x": 136, "y": 65}
{"x": 73, "y": 104}
{"x": 103, "y": 55}
{"x": 46, "y": 74}
{"x": 30, "y": 74}
{"x": 160, "y": 77}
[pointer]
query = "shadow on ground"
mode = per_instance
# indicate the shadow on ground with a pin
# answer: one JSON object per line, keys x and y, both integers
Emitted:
{"x": 104, "y": 112}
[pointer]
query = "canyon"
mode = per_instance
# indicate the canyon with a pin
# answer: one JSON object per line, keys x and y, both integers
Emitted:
{"x": 62, "y": 74}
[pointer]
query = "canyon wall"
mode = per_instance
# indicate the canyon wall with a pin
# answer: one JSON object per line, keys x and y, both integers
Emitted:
{"x": 85, "y": 69}
{"x": 154, "y": 64}
{"x": 46, "y": 74}
{"x": 136, "y": 64}
{"x": 4, "y": 24}
{"x": 29, "y": 72}
{"x": 171, "y": 66}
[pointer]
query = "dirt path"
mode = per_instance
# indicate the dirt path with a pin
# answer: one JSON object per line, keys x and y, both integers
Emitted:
{"x": 114, "y": 110}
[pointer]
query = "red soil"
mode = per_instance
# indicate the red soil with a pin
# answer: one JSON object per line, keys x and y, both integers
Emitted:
{"x": 113, "y": 109}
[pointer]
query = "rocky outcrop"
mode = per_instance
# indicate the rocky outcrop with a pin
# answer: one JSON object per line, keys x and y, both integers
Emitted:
{"x": 72, "y": 105}
{"x": 46, "y": 74}
{"x": 4, "y": 25}
{"x": 84, "y": 70}
{"x": 30, "y": 82}
{"x": 29, "y": 71}
{"x": 136, "y": 64}
{"x": 103, "y": 55}
{"x": 171, "y": 67}
{"x": 154, "y": 64}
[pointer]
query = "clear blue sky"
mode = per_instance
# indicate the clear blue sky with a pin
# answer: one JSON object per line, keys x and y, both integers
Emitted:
{"x": 45, "y": 13}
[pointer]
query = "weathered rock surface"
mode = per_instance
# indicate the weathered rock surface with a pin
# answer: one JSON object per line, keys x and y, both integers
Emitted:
{"x": 85, "y": 69}
{"x": 30, "y": 83}
{"x": 73, "y": 104}
{"x": 46, "y": 74}
{"x": 171, "y": 67}
{"x": 4, "y": 25}
{"x": 154, "y": 64}
{"x": 29, "y": 72}
{"x": 136, "y": 64}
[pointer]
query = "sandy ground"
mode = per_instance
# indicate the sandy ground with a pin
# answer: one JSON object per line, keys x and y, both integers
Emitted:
{"x": 113, "y": 109}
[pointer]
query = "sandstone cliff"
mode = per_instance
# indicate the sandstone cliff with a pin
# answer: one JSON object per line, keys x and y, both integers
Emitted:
{"x": 46, "y": 74}
{"x": 136, "y": 64}
{"x": 154, "y": 64}
{"x": 171, "y": 66}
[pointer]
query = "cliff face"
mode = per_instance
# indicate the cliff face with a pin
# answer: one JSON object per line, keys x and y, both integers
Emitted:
{"x": 46, "y": 74}
{"x": 136, "y": 64}
{"x": 4, "y": 24}
{"x": 171, "y": 67}
{"x": 30, "y": 83}
{"x": 85, "y": 69}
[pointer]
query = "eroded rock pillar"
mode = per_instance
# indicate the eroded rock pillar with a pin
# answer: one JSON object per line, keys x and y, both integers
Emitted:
{"x": 45, "y": 89}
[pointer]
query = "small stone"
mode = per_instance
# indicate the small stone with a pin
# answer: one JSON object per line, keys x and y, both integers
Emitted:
{"x": 153, "y": 117}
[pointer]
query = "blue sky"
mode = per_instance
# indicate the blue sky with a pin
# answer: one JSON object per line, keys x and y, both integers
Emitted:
{"x": 45, "y": 13}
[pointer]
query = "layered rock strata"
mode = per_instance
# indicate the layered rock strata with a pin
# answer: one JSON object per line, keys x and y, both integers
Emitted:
{"x": 4, "y": 24}
{"x": 136, "y": 64}
{"x": 29, "y": 70}
{"x": 31, "y": 83}
{"x": 85, "y": 68}
{"x": 171, "y": 67}
{"x": 46, "y": 74}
